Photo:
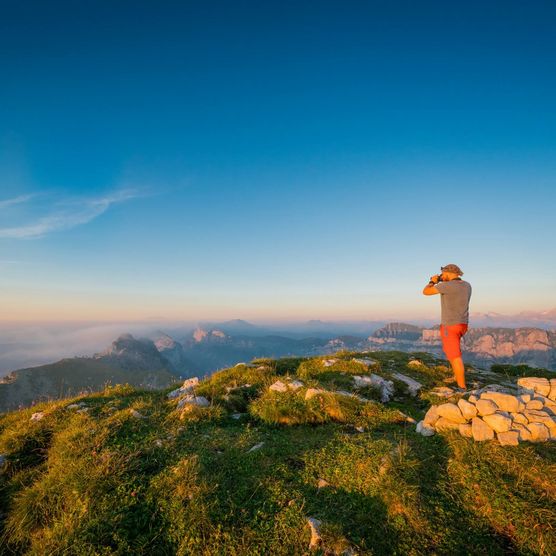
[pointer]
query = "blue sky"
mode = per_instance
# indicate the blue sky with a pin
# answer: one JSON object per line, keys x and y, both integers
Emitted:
{"x": 274, "y": 160}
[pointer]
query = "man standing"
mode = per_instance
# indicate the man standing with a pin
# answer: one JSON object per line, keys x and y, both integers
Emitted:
{"x": 454, "y": 302}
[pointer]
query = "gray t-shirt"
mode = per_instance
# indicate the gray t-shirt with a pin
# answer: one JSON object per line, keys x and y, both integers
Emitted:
{"x": 454, "y": 301}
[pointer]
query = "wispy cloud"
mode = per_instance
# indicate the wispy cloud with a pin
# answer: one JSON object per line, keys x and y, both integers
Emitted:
{"x": 15, "y": 201}
{"x": 68, "y": 214}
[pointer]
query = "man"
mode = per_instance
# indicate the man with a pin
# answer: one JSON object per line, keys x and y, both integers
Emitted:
{"x": 454, "y": 302}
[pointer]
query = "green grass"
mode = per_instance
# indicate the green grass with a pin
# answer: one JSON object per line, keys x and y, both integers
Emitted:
{"x": 105, "y": 482}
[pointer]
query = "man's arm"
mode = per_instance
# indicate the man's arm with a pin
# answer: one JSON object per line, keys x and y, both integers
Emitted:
{"x": 430, "y": 288}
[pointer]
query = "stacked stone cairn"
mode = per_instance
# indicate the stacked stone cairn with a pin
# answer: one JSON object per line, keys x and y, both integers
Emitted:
{"x": 488, "y": 413}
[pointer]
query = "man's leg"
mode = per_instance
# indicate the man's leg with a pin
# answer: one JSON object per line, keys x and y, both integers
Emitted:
{"x": 459, "y": 371}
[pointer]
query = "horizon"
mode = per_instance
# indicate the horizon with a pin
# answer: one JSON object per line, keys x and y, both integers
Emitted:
{"x": 282, "y": 163}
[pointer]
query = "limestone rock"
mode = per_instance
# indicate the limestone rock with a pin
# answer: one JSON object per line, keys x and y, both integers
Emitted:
{"x": 473, "y": 398}
{"x": 415, "y": 363}
{"x": 552, "y": 393}
{"x": 237, "y": 416}
{"x": 534, "y": 404}
{"x": 186, "y": 388}
{"x": 367, "y": 361}
{"x": 316, "y": 539}
{"x": 37, "y": 416}
{"x": 537, "y": 416}
{"x": 256, "y": 447}
{"x": 200, "y": 401}
{"x": 322, "y": 484}
{"x": 468, "y": 410}
{"x": 466, "y": 430}
{"x": 522, "y": 430}
{"x": 329, "y": 362}
{"x": 525, "y": 398}
{"x": 424, "y": 429}
{"x": 295, "y": 384}
{"x": 443, "y": 392}
{"x": 73, "y": 406}
{"x": 486, "y": 407}
{"x": 386, "y": 387}
{"x": 451, "y": 412}
{"x": 312, "y": 392}
{"x": 534, "y": 384}
{"x": 444, "y": 424}
{"x": 480, "y": 430}
{"x": 498, "y": 422}
{"x": 539, "y": 432}
{"x": 278, "y": 386}
{"x": 136, "y": 414}
{"x": 505, "y": 402}
{"x": 519, "y": 418}
{"x": 412, "y": 385}
{"x": 508, "y": 438}
{"x": 431, "y": 416}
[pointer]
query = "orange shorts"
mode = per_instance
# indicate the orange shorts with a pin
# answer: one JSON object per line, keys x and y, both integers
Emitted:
{"x": 451, "y": 336}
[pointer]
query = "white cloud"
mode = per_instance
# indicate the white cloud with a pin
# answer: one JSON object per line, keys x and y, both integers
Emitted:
{"x": 15, "y": 201}
{"x": 67, "y": 215}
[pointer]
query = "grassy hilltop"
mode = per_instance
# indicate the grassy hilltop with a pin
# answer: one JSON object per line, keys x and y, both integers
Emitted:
{"x": 127, "y": 472}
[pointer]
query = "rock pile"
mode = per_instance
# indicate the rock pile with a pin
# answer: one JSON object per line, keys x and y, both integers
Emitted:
{"x": 487, "y": 414}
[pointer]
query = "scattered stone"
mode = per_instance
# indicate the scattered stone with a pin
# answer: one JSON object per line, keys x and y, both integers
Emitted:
{"x": 359, "y": 429}
{"x": 431, "y": 416}
{"x": 443, "y": 392}
{"x": 83, "y": 410}
{"x": 444, "y": 424}
{"x": 412, "y": 385}
{"x": 186, "y": 388}
{"x": 362, "y": 381}
{"x": 498, "y": 422}
{"x": 158, "y": 443}
{"x": 73, "y": 406}
{"x": 295, "y": 384}
{"x": 466, "y": 430}
{"x": 505, "y": 402}
{"x": 322, "y": 484}
{"x": 537, "y": 385}
{"x": 468, "y": 410}
{"x": 386, "y": 387}
{"x": 136, "y": 414}
{"x": 416, "y": 364}
{"x": 256, "y": 447}
{"x": 329, "y": 362}
{"x": 539, "y": 432}
{"x": 486, "y": 407}
{"x": 278, "y": 386}
{"x": 237, "y": 415}
{"x": 424, "y": 429}
{"x": 312, "y": 392}
{"x": 37, "y": 416}
{"x": 316, "y": 538}
{"x": 367, "y": 361}
{"x": 480, "y": 430}
{"x": 451, "y": 412}
{"x": 508, "y": 438}
{"x": 190, "y": 399}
